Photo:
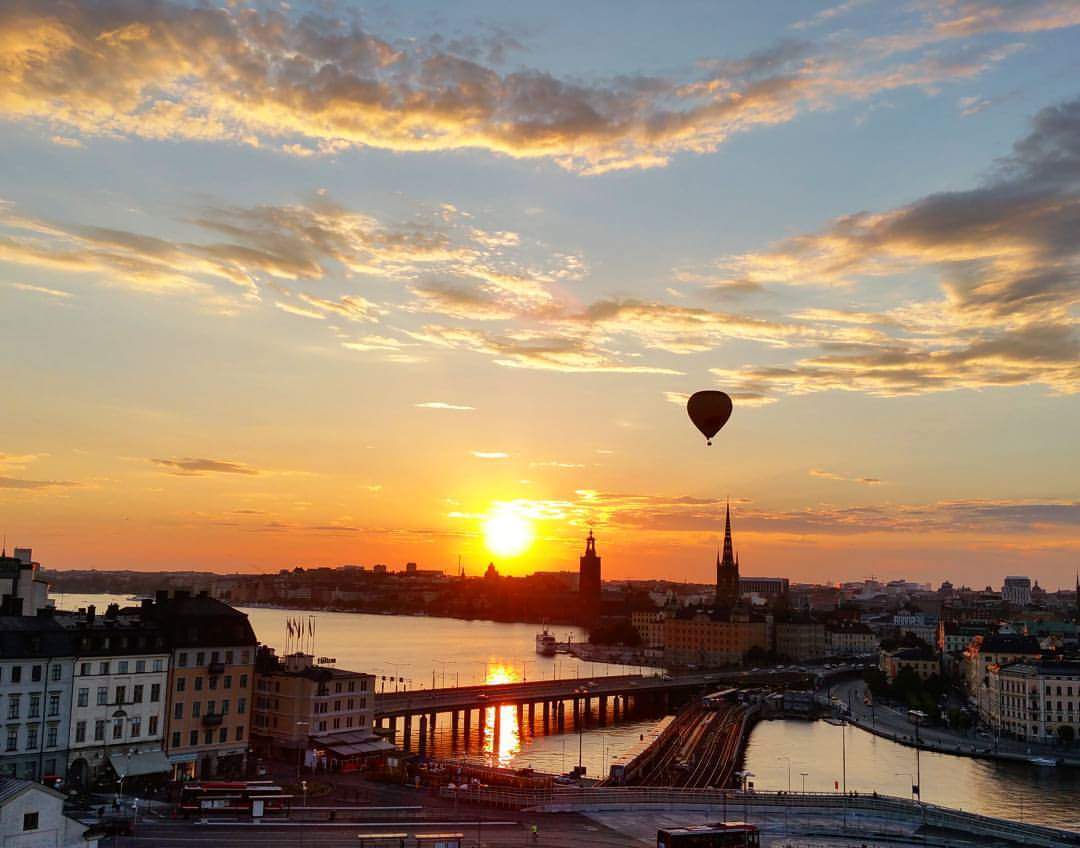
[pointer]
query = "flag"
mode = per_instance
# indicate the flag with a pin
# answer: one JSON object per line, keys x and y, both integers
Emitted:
{"x": 836, "y": 785}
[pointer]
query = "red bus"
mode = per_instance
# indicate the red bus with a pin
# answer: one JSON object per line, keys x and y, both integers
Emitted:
{"x": 254, "y": 798}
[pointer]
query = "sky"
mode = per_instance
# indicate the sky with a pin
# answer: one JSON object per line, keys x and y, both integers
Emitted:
{"x": 317, "y": 283}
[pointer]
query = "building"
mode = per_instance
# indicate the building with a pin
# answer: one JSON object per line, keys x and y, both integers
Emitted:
{"x": 711, "y": 639}
{"x": 1017, "y": 591}
{"x": 120, "y": 683}
{"x": 305, "y": 710}
{"x": 35, "y": 696}
{"x": 212, "y": 669}
{"x": 923, "y": 661}
{"x": 998, "y": 649}
{"x": 589, "y": 581}
{"x": 955, "y": 636}
{"x": 22, "y": 591}
{"x": 32, "y": 816}
{"x": 800, "y": 638}
{"x": 763, "y": 587}
{"x": 849, "y": 639}
{"x": 727, "y": 569}
{"x": 1036, "y": 701}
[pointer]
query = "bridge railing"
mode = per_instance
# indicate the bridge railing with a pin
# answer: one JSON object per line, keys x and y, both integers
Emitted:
{"x": 569, "y": 799}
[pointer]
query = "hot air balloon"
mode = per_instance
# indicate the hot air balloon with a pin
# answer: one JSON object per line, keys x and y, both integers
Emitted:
{"x": 709, "y": 411}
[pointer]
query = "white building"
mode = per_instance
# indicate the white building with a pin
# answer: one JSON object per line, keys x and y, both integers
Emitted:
{"x": 120, "y": 683}
{"x": 1017, "y": 591}
{"x": 35, "y": 696}
{"x": 1036, "y": 701}
{"x": 32, "y": 816}
{"x": 22, "y": 591}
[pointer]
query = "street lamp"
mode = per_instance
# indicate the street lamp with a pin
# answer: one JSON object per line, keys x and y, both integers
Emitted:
{"x": 803, "y": 774}
{"x": 788, "y": 772}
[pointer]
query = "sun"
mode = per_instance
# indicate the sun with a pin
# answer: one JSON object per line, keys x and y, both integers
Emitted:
{"x": 507, "y": 534}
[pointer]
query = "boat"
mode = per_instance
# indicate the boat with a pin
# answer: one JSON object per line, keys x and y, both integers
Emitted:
{"x": 545, "y": 643}
{"x": 1043, "y": 761}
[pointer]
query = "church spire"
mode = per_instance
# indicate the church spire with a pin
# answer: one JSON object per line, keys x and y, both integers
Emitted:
{"x": 728, "y": 558}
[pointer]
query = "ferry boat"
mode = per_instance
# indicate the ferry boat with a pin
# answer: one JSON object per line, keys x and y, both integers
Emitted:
{"x": 1043, "y": 761}
{"x": 545, "y": 643}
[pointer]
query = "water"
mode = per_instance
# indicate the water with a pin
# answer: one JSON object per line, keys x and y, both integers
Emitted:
{"x": 469, "y": 652}
{"x": 1018, "y": 791}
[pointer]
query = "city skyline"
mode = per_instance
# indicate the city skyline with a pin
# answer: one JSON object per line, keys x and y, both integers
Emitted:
{"x": 343, "y": 283}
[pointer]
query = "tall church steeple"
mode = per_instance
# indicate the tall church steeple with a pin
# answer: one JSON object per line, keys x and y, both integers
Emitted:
{"x": 727, "y": 568}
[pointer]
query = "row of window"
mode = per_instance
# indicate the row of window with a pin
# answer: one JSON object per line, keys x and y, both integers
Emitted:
{"x": 215, "y": 656}
{"x": 82, "y": 698}
{"x": 100, "y": 725}
{"x": 211, "y": 708}
{"x": 52, "y": 731}
{"x": 226, "y": 682}
{"x": 122, "y": 667}
{"x": 208, "y": 736}
{"x": 15, "y": 673}
{"x": 14, "y": 703}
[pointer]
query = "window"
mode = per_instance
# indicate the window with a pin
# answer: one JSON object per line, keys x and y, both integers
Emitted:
{"x": 241, "y": 705}
{"x": 196, "y": 709}
{"x": 245, "y": 657}
{"x": 140, "y": 666}
{"x": 83, "y": 697}
{"x": 103, "y": 668}
{"x": 84, "y": 669}
{"x": 50, "y": 736}
{"x": 224, "y": 706}
{"x": 123, "y": 667}
{"x": 12, "y": 739}
{"x": 159, "y": 665}
{"x": 200, "y": 658}
{"x": 176, "y": 739}
{"x": 155, "y": 693}
{"x": 16, "y": 674}
{"x": 136, "y": 726}
{"x": 55, "y": 672}
{"x": 243, "y": 681}
{"x": 80, "y": 731}
{"x": 178, "y": 710}
{"x": 54, "y": 703}
{"x": 181, "y": 682}
{"x": 223, "y": 735}
{"x": 102, "y": 695}
{"x": 152, "y": 728}
{"x": 239, "y": 732}
{"x": 198, "y": 684}
{"x": 228, "y": 658}
{"x": 193, "y": 737}
{"x": 208, "y": 737}
{"x": 30, "y": 821}
{"x": 228, "y": 681}
{"x": 118, "y": 728}
{"x": 35, "y": 673}
{"x": 31, "y": 737}
{"x": 121, "y": 692}
{"x": 136, "y": 695}
{"x": 99, "y": 730}
{"x": 213, "y": 683}
{"x": 35, "y": 705}
{"x": 182, "y": 659}
{"x": 13, "y": 705}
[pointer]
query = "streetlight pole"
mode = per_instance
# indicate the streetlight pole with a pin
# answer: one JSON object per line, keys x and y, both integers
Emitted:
{"x": 788, "y": 772}
{"x": 300, "y": 748}
{"x": 803, "y": 774}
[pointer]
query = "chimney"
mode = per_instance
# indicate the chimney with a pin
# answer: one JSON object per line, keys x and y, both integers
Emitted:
{"x": 90, "y": 611}
{"x": 161, "y": 595}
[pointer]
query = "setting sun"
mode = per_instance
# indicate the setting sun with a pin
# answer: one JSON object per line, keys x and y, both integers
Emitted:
{"x": 507, "y": 534}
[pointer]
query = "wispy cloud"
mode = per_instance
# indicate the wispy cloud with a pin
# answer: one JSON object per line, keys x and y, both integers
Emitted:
{"x": 843, "y": 478}
{"x": 200, "y": 467}
{"x": 19, "y": 483}
{"x": 28, "y": 287}
{"x": 490, "y": 454}
{"x": 438, "y": 404}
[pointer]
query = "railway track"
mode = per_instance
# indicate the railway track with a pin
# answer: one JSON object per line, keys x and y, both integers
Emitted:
{"x": 704, "y": 751}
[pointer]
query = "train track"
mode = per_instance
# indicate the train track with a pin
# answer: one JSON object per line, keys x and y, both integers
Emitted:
{"x": 704, "y": 751}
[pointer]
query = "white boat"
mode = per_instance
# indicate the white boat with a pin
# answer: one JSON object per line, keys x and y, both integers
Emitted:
{"x": 545, "y": 643}
{"x": 1043, "y": 761}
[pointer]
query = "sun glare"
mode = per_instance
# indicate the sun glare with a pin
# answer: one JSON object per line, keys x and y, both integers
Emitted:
{"x": 507, "y": 534}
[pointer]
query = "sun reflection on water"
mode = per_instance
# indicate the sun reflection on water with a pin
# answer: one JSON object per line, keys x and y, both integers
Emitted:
{"x": 501, "y": 751}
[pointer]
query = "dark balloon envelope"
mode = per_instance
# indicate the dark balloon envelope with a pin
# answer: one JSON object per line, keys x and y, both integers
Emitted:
{"x": 709, "y": 411}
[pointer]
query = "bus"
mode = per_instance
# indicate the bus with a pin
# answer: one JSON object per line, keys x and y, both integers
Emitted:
{"x": 254, "y": 798}
{"x": 733, "y": 835}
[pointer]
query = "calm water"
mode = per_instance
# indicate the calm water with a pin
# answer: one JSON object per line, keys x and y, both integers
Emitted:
{"x": 470, "y": 652}
{"x": 1009, "y": 790}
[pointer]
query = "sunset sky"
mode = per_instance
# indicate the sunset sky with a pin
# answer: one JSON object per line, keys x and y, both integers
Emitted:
{"x": 320, "y": 283}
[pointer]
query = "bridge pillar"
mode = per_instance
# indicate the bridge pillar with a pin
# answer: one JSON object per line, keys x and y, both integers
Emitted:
{"x": 577, "y": 711}
{"x": 532, "y": 717}
{"x": 603, "y": 709}
{"x": 547, "y": 713}
{"x": 588, "y": 710}
{"x": 431, "y": 724}
{"x": 423, "y": 735}
{"x": 560, "y": 714}
{"x": 521, "y": 718}
{"x": 615, "y": 708}
{"x": 468, "y": 722}
{"x": 497, "y": 731}
{"x": 406, "y": 732}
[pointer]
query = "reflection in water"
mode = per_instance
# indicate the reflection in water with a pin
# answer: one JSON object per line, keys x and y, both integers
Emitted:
{"x": 499, "y": 750}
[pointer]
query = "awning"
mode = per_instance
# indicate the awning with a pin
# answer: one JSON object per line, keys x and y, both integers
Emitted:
{"x": 376, "y": 746}
{"x": 144, "y": 762}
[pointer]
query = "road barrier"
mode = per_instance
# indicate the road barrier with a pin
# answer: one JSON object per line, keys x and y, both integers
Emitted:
{"x": 637, "y": 798}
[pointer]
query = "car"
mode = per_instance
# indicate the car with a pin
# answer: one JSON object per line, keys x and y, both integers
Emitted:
{"x": 111, "y": 826}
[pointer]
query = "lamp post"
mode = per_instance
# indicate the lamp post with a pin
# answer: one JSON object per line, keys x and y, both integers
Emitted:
{"x": 803, "y": 774}
{"x": 119, "y": 714}
{"x": 788, "y": 772}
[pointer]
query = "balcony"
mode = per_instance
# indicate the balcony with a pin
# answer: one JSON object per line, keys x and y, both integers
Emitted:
{"x": 216, "y": 668}
{"x": 212, "y": 719}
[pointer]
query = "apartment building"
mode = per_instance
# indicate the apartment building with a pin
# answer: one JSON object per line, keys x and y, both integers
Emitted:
{"x": 1037, "y": 701}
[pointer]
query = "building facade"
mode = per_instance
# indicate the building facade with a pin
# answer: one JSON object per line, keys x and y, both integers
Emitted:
{"x": 1035, "y": 701}
{"x": 22, "y": 590}
{"x": 35, "y": 696}
{"x": 850, "y": 639}
{"x": 800, "y": 639}
{"x": 706, "y": 640}
{"x": 32, "y": 816}
{"x": 923, "y": 661}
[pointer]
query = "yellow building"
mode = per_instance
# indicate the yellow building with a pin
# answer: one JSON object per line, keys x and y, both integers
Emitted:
{"x": 706, "y": 640}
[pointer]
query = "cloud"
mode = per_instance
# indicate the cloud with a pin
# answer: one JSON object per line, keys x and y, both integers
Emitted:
{"x": 490, "y": 454}
{"x": 438, "y": 404}
{"x": 19, "y": 483}
{"x": 314, "y": 84}
{"x": 832, "y": 475}
{"x": 200, "y": 467}
{"x": 27, "y": 287}
{"x": 18, "y": 461}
